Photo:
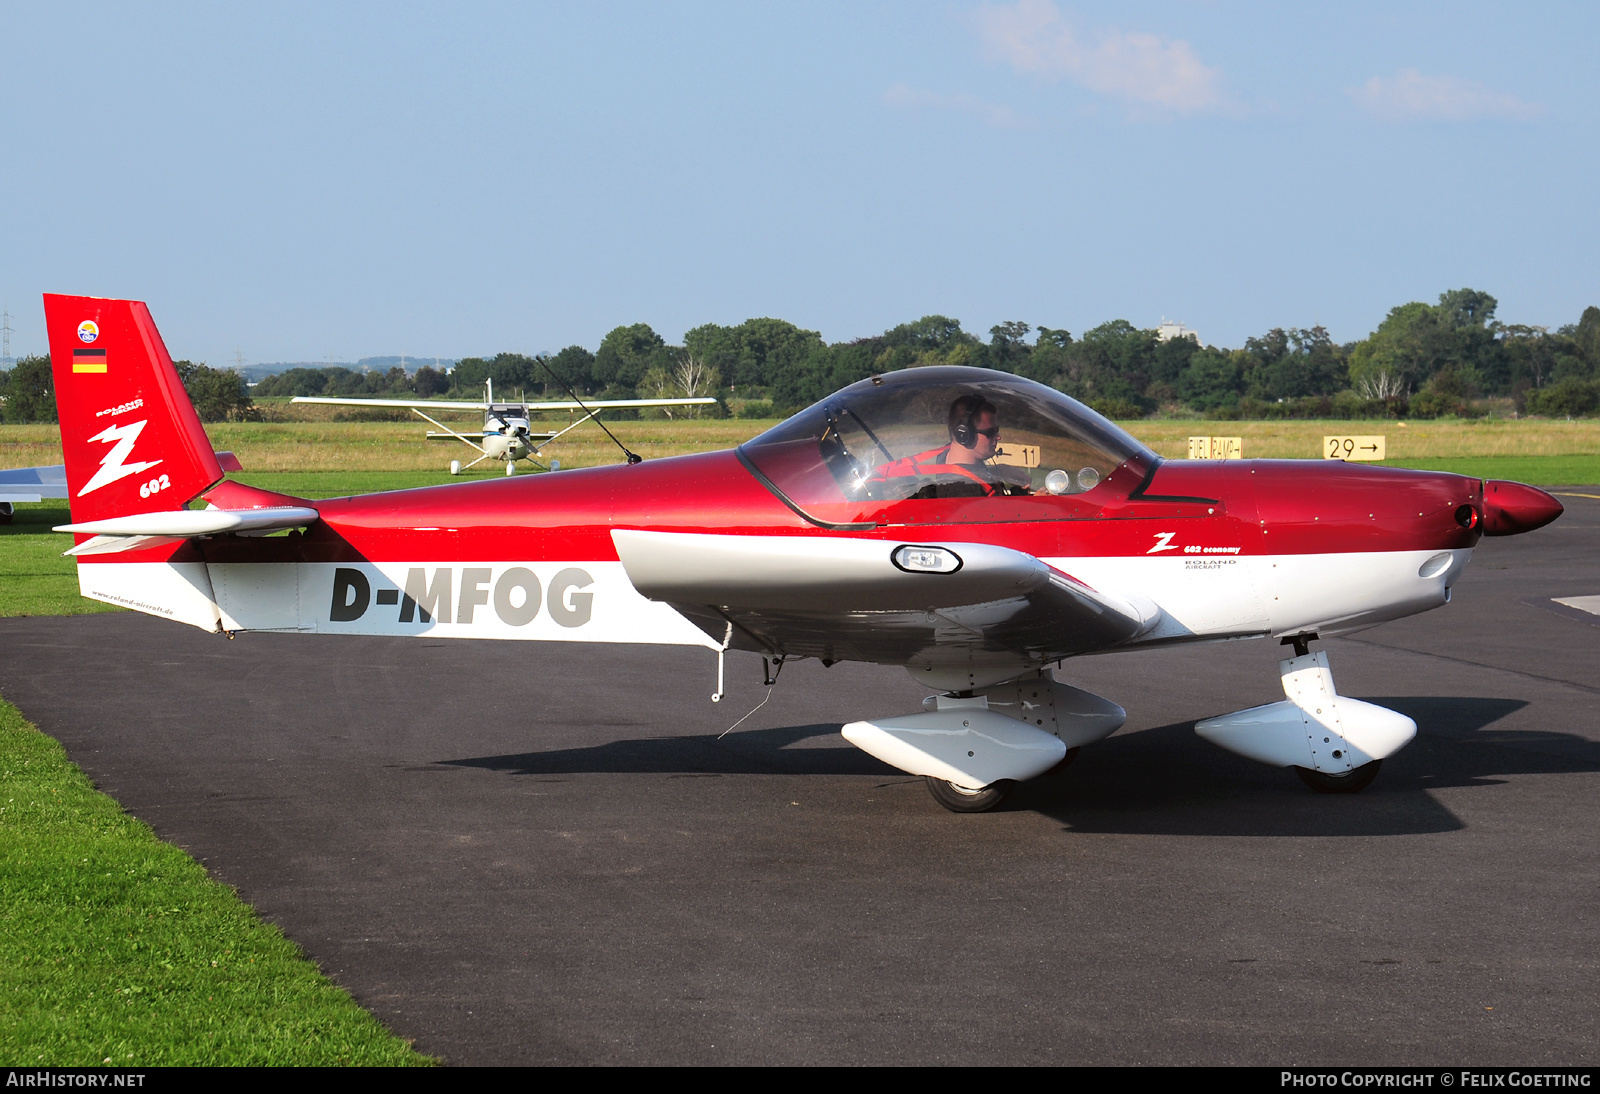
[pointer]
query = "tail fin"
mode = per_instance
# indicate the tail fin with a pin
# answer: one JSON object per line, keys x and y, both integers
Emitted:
{"x": 132, "y": 440}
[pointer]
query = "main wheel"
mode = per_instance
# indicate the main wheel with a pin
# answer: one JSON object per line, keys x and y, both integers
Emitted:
{"x": 1351, "y": 782}
{"x": 958, "y": 799}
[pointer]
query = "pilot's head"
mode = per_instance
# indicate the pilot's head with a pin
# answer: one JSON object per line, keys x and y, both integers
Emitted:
{"x": 974, "y": 433}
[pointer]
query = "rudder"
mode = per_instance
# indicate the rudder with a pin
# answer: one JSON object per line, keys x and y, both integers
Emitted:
{"x": 130, "y": 436}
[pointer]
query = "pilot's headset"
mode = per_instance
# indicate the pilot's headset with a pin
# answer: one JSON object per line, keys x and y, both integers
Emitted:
{"x": 964, "y": 418}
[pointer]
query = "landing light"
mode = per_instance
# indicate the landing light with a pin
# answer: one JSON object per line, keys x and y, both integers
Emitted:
{"x": 925, "y": 560}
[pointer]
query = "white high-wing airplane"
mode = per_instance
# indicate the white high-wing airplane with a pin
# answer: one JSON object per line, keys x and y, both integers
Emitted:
{"x": 507, "y": 432}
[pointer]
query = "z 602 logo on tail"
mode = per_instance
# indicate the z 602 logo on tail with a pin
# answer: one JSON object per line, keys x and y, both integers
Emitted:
{"x": 112, "y": 466}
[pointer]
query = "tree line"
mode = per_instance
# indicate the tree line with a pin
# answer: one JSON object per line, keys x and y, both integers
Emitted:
{"x": 219, "y": 395}
{"x": 1424, "y": 360}
{"x": 1453, "y": 357}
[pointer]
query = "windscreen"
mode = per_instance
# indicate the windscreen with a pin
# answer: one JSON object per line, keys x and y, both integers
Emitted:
{"x": 931, "y": 433}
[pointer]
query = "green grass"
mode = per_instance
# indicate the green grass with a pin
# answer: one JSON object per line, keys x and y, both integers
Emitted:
{"x": 337, "y": 484}
{"x": 34, "y": 577}
{"x": 1536, "y": 470}
{"x": 117, "y": 948}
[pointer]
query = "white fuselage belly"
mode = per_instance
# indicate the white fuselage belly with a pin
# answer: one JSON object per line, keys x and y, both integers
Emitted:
{"x": 579, "y": 601}
{"x": 1201, "y": 598}
{"x": 1225, "y": 596}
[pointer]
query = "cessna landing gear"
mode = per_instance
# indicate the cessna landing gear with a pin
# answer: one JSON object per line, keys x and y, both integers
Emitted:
{"x": 1351, "y": 782}
{"x": 961, "y": 800}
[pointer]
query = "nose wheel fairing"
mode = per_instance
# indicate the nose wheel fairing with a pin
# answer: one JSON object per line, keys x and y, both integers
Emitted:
{"x": 1315, "y": 728}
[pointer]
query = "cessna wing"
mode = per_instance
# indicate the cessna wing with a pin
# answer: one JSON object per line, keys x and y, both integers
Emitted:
{"x": 943, "y": 607}
{"x": 455, "y": 404}
{"x": 507, "y": 433}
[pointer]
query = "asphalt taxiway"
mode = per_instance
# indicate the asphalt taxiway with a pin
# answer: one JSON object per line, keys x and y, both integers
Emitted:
{"x": 539, "y": 853}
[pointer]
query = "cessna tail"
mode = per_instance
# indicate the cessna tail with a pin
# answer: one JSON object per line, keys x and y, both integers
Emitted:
{"x": 972, "y": 527}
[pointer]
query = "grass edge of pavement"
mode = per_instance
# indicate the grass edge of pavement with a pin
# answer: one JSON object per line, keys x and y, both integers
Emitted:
{"x": 119, "y": 949}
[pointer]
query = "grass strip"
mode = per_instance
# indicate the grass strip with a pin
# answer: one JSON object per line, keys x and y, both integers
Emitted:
{"x": 1535, "y": 470}
{"x": 35, "y": 578}
{"x": 116, "y": 948}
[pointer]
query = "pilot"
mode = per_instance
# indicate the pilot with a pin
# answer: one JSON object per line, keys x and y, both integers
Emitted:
{"x": 962, "y": 467}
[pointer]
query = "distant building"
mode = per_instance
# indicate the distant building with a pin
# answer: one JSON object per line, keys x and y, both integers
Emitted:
{"x": 1168, "y": 330}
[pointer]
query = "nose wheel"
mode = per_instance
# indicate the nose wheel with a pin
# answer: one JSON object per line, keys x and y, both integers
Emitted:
{"x": 958, "y": 799}
{"x": 1351, "y": 782}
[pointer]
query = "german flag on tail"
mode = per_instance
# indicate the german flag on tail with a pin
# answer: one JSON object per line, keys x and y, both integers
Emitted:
{"x": 88, "y": 360}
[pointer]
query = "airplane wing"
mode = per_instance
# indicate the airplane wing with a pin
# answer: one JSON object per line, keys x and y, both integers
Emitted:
{"x": 878, "y": 600}
{"x": 33, "y": 483}
{"x": 448, "y": 404}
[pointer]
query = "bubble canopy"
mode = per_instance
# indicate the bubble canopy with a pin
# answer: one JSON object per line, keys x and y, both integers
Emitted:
{"x": 882, "y": 449}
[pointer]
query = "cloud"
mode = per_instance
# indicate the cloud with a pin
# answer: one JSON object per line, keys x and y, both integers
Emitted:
{"x": 1146, "y": 70}
{"x": 1411, "y": 96}
{"x": 903, "y": 97}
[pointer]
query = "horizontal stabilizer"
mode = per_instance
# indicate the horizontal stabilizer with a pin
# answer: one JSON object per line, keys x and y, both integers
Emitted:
{"x": 145, "y": 529}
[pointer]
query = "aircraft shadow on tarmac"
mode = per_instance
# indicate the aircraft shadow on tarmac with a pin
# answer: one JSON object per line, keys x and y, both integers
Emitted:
{"x": 753, "y": 752}
{"x": 1160, "y": 780}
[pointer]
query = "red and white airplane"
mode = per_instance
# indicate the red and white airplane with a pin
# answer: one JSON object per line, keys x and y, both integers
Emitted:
{"x": 972, "y": 527}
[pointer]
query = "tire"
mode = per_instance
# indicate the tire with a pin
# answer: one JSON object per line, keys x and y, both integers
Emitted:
{"x": 960, "y": 800}
{"x": 1352, "y": 782}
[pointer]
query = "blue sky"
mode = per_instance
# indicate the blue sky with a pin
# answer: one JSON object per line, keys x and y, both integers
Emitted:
{"x": 294, "y": 181}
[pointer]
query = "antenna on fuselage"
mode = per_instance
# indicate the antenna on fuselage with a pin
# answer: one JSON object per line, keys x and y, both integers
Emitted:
{"x": 633, "y": 457}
